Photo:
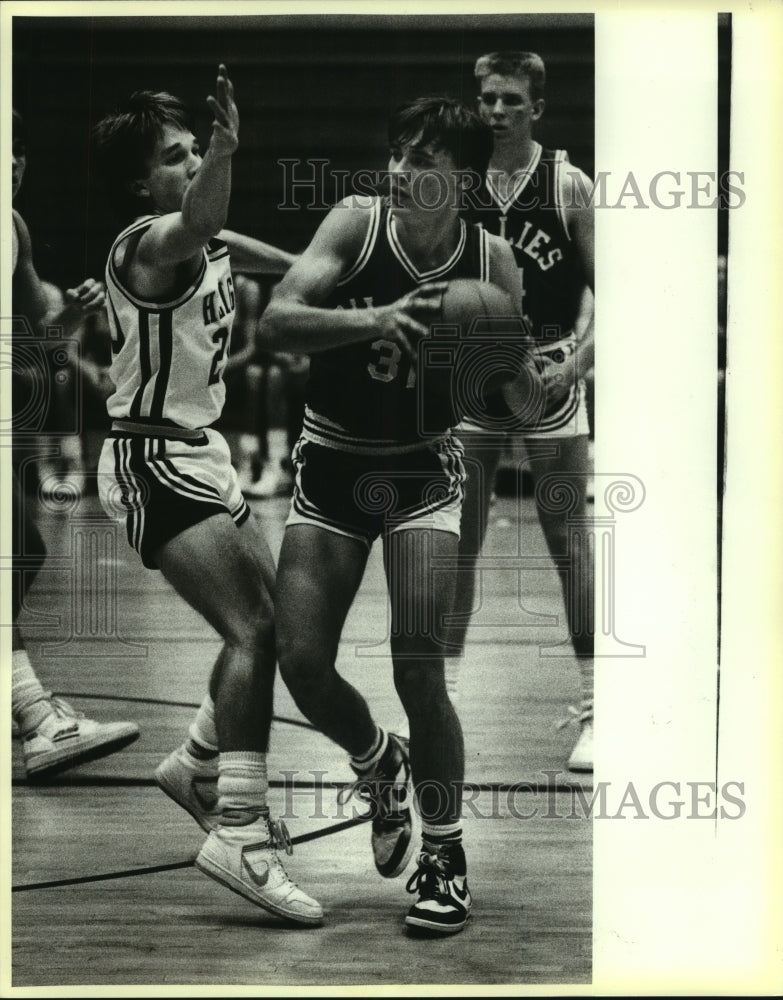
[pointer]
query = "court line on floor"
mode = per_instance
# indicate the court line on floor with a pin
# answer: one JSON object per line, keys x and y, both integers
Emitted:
{"x": 478, "y": 640}
{"x": 120, "y": 781}
{"x": 175, "y": 865}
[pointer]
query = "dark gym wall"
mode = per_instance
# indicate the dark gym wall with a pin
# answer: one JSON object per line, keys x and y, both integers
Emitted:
{"x": 306, "y": 87}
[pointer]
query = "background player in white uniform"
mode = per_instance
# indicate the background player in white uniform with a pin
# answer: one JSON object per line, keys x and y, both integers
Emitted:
{"x": 537, "y": 202}
{"x": 55, "y": 735}
{"x": 169, "y": 477}
{"x": 357, "y": 300}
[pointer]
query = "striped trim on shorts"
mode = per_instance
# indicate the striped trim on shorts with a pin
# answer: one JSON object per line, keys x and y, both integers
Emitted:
{"x": 364, "y": 496}
{"x": 161, "y": 485}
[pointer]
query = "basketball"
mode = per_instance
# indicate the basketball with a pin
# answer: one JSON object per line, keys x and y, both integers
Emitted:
{"x": 470, "y": 304}
{"x": 478, "y": 343}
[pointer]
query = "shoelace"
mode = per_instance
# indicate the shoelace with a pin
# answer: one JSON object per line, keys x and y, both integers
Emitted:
{"x": 370, "y": 788}
{"x": 279, "y": 836}
{"x": 575, "y": 715}
{"x": 361, "y": 788}
{"x": 429, "y": 879}
{"x": 61, "y": 708}
{"x": 378, "y": 792}
{"x": 64, "y": 709}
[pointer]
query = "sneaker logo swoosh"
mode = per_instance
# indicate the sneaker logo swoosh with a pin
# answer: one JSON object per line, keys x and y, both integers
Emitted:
{"x": 255, "y": 878}
{"x": 461, "y": 894}
{"x": 207, "y": 800}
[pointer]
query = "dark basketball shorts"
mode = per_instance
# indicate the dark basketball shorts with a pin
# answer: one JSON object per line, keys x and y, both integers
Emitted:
{"x": 159, "y": 486}
{"x": 364, "y": 496}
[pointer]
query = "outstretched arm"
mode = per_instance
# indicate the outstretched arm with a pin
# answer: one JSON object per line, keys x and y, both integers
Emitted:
{"x": 181, "y": 235}
{"x": 251, "y": 256}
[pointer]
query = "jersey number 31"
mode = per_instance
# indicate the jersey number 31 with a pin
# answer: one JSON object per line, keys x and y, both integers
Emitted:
{"x": 386, "y": 366}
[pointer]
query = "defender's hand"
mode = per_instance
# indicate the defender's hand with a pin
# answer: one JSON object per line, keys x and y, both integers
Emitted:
{"x": 225, "y": 127}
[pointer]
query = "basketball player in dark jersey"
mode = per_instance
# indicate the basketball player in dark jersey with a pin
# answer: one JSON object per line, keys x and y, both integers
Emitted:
{"x": 166, "y": 474}
{"x": 371, "y": 463}
{"x": 55, "y": 735}
{"x": 536, "y": 201}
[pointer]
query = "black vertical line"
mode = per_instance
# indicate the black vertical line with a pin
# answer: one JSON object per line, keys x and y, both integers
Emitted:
{"x": 723, "y": 109}
{"x": 144, "y": 361}
{"x": 116, "y": 344}
{"x": 165, "y": 347}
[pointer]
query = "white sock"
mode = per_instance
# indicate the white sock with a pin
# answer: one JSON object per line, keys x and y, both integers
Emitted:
{"x": 30, "y": 704}
{"x": 366, "y": 762}
{"x": 202, "y": 729}
{"x": 242, "y": 786}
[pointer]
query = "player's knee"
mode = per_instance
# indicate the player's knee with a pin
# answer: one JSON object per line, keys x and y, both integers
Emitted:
{"x": 263, "y": 627}
{"x": 426, "y": 645}
{"x": 419, "y": 685}
{"x": 252, "y": 632}
{"x": 300, "y": 661}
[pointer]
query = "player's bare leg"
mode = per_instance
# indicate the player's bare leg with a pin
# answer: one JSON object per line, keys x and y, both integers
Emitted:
{"x": 55, "y": 735}
{"x": 571, "y": 465}
{"x": 421, "y": 597}
{"x": 482, "y": 458}
{"x": 319, "y": 573}
{"x": 318, "y": 576}
{"x": 238, "y": 604}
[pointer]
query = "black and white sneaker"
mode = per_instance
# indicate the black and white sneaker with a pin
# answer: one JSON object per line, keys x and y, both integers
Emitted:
{"x": 389, "y": 794}
{"x": 444, "y": 902}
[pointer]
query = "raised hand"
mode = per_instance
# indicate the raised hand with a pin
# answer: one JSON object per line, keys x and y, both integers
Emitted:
{"x": 225, "y": 126}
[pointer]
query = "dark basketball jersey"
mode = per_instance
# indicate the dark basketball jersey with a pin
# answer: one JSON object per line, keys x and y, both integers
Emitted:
{"x": 366, "y": 396}
{"x": 531, "y": 219}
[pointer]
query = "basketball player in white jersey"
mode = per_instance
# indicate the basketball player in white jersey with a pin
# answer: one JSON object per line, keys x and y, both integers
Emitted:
{"x": 357, "y": 301}
{"x": 55, "y": 736}
{"x": 536, "y": 200}
{"x": 167, "y": 475}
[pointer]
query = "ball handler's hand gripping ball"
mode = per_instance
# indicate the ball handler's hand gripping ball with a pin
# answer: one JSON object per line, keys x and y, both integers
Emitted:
{"x": 479, "y": 346}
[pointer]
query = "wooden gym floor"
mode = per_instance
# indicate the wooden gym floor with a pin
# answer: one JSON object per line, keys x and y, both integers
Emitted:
{"x": 104, "y": 889}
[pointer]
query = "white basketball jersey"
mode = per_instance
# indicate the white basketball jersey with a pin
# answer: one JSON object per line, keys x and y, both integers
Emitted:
{"x": 168, "y": 357}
